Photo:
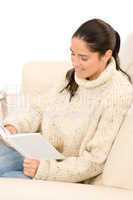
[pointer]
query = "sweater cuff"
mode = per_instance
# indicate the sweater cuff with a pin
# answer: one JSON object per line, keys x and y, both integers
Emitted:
{"x": 43, "y": 170}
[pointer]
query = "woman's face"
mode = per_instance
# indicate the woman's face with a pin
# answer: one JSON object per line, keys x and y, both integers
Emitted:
{"x": 87, "y": 64}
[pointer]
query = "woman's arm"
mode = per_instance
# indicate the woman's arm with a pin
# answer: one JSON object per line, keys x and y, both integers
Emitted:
{"x": 26, "y": 121}
{"x": 91, "y": 160}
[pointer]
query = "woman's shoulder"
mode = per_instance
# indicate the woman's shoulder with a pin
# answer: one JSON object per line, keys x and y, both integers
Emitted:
{"x": 122, "y": 84}
{"x": 120, "y": 92}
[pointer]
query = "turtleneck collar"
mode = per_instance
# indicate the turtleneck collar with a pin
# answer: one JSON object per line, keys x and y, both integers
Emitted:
{"x": 103, "y": 77}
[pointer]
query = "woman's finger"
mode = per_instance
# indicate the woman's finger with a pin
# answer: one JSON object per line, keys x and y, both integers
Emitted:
{"x": 28, "y": 161}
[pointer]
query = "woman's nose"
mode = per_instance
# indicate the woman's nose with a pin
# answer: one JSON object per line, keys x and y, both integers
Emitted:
{"x": 75, "y": 62}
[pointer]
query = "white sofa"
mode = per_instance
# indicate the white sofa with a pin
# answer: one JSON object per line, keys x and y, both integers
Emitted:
{"x": 117, "y": 177}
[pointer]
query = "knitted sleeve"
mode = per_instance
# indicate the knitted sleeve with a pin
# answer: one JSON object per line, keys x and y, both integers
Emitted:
{"x": 91, "y": 159}
{"x": 26, "y": 121}
{"x": 30, "y": 118}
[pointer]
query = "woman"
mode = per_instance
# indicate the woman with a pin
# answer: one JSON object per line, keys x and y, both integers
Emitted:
{"x": 85, "y": 114}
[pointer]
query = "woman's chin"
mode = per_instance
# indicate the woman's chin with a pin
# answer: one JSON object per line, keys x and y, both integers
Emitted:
{"x": 80, "y": 76}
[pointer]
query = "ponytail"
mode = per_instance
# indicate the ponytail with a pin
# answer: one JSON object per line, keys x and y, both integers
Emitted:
{"x": 116, "y": 50}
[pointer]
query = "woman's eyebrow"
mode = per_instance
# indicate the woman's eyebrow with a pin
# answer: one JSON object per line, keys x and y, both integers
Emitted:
{"x": 79, "y": 54}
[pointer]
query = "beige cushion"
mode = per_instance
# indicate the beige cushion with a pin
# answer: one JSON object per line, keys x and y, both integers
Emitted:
{"x": 118, "y": 169}
{"x": 14, "y": 189}
{"x": 40, "y": 77}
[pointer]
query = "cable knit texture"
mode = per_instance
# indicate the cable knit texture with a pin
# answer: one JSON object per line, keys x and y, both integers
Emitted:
{"x": 84, "y": 129}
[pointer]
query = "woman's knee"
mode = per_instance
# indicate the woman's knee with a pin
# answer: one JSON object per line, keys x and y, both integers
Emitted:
{"x": 10, "y": 159}
{"x": 4, "y": 149}
{"x": 15, "y": 174}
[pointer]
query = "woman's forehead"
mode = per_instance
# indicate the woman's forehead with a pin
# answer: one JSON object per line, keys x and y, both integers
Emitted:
{"x": 80, "y": 46}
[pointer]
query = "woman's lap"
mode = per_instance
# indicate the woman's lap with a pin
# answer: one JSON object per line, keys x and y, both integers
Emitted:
{"x": 15, "y": 174}
{"x": 11, "y": 162}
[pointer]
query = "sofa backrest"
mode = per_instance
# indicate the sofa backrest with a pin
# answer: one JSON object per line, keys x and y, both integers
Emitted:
{"x": 40, "y": 77}
{"x": 118, "y": 170}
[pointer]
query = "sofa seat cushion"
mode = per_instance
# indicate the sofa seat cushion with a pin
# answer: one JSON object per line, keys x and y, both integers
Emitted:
{"x": 33, "y": 189}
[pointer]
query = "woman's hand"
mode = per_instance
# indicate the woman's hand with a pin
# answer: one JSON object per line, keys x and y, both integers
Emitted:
{"x": 11, "y": 128}
{"x": 30, "y": 167}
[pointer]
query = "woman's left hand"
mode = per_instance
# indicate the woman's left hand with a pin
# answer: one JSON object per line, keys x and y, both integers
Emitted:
{"x": 30, "y": 167}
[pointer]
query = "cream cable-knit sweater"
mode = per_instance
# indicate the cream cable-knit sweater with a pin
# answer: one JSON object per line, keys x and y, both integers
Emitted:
{"x": 84, "y": 129}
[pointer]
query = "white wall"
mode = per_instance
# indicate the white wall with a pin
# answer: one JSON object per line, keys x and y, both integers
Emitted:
{"x": 41, "y": 30}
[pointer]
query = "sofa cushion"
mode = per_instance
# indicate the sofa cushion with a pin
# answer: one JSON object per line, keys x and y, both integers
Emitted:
{"x": 44, "y": 76}
{"x": 39, "y": 78}
{"x": 14, "y": 189}
{"x": 118, "y": 170}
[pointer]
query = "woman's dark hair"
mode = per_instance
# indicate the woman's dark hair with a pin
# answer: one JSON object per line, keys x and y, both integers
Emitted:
{"x": 100, "y": 37}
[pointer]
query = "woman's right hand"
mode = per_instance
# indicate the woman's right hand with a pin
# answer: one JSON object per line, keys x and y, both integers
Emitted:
{"x": 11, "y": 128}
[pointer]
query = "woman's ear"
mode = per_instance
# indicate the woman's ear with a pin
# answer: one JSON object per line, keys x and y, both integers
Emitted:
{"x": 107, "y": 56}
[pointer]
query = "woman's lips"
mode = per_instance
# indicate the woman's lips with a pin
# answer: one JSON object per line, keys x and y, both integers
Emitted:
{"x": 79, "y": 69}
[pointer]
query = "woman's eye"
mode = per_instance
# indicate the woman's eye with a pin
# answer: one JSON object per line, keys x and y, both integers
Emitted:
{"x": 72, "y": 54}
{"x": 84, "y": 59}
